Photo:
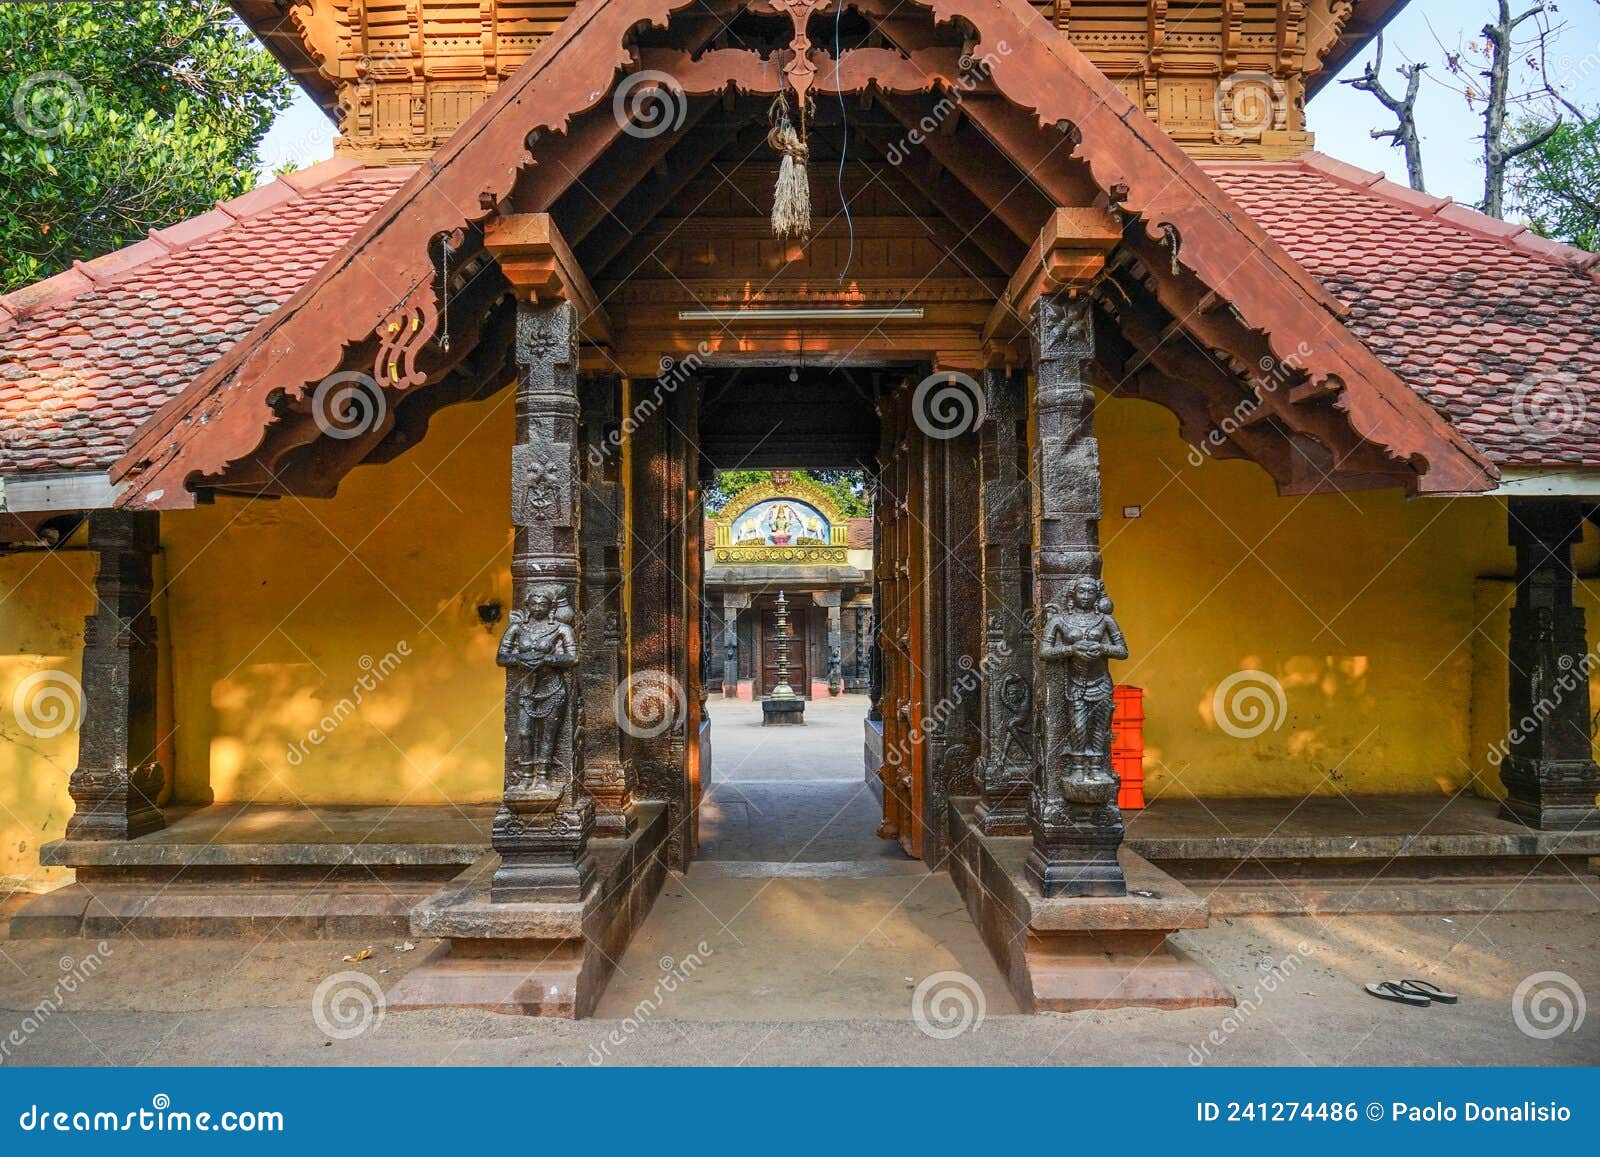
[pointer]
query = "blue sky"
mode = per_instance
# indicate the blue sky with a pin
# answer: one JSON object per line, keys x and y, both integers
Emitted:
{"x": 1341, "y": 117}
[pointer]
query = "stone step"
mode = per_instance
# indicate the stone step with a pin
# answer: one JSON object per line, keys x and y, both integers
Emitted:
{"x": 294, "y": 911}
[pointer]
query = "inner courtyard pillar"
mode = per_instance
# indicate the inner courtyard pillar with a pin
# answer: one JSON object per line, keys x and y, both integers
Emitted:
{"x": 607, "y": 777}
{"x": 542, "y": 827}
{"x": 1549, "y": 771}
{"x": 832, "y": 603}
{"x": 1073, "y": 814}
{"x": 1007, "y": 769}
{"x": 119, "y": 777}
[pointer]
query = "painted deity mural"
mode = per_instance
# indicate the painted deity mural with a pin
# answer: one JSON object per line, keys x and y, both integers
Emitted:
{"x": 781, "y": 522}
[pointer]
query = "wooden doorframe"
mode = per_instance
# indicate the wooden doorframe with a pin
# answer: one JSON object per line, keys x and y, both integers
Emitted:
{"x": 901, "y": 570}
{"x": 800, "y": 615}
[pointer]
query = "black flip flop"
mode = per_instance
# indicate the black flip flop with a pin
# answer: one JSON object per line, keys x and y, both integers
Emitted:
{"x": 1388, "y": 990}
{"x": 1431, "y": 991}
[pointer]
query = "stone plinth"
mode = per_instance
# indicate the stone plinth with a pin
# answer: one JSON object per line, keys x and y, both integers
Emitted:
{"x": 536, "y": 958}
{"x": 783, "y": 712}
{"x": 1067, "y": 954}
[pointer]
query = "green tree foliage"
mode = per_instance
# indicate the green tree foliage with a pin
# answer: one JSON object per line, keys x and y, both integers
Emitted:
{"x": 1557, "y": 184}
{"x": 846, "y": 487}
{"x": 120, "y": 118}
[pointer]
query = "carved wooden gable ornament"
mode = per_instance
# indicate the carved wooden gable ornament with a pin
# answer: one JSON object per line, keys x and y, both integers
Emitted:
{"x": 396, "y": 301}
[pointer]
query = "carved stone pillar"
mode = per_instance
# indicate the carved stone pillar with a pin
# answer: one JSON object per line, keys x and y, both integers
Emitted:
{"x": 542, "y": 827}
{"x": 856, "y": 680}
{"x": 1073, "y": 814}
{"x": 832, "y": 602}
{"x": 1006, "y": 772}
{"x": 732, "y": 604}
{"x": 118, "y": 778}
{"x": 1549, "y": 771}
{"x": 607, "y": 777}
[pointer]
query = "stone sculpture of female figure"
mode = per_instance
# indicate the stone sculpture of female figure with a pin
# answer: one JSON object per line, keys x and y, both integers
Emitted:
{"x": 1082, "y": 640}
{"x": 539, "y": 648}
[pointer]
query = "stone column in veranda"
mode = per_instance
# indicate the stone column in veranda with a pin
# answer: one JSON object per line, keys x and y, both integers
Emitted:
{"x": 542, "y": 827}
{"x": 1006, "y": 771}
{"x": 1072, "y": 815}
{"x": 119, "y": 777}
{"x": 607, "y": 776}
{"x": 1549, "y": 770}
{"x": 832, "y": 602}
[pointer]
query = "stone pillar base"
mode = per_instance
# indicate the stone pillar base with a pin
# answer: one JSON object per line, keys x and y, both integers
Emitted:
{"x": 783, "y": 712}
{"x": 1551, "y": 795}
{"x": 1067, "y": 954}
{"x": 537, "y": 958}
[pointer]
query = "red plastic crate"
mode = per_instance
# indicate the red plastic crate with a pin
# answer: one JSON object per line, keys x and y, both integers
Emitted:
{"x": 1127, "y": 745}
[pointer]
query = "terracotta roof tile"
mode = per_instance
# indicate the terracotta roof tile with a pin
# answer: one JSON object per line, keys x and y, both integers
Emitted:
{"x": 88, "y": 355}
{"x": 1496, "y": 327}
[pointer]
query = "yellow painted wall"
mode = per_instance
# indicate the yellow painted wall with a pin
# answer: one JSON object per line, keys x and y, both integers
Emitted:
{"x": 1371, "y": 612}
{"x": 1362, "y": 607}
{"x": 43, "y": 600}
{"x": 361, "y": 610}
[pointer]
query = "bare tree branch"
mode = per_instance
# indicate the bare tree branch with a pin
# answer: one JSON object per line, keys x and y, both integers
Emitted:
{"x": 1404, "y": 135}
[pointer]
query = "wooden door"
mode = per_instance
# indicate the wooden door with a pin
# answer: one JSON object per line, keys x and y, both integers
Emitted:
{"x": 799, "y": 652}
{"x": 902, "y": 593}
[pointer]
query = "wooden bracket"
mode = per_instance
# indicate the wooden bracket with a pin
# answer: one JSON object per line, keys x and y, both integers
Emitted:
{"x": 1069, "y": 256}
{"x": 541, "y": 267}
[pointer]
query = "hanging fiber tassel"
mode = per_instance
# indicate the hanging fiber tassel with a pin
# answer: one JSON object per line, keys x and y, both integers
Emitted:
{"x": 791, "y": 200}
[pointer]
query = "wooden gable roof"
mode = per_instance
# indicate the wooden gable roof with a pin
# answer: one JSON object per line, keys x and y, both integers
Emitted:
{"x": 377, "y": 303}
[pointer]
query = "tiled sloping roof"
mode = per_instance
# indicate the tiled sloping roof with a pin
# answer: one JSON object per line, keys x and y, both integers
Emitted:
{"x": 88, "y": 355}
{"x": 1498, "y": 328}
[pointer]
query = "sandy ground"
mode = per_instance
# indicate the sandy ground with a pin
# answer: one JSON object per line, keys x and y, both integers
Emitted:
{"x": 832, "y": 992}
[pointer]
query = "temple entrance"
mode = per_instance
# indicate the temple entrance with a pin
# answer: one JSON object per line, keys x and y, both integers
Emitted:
{"x": 796, "y": 651}
{"x": 790, "y": 614}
